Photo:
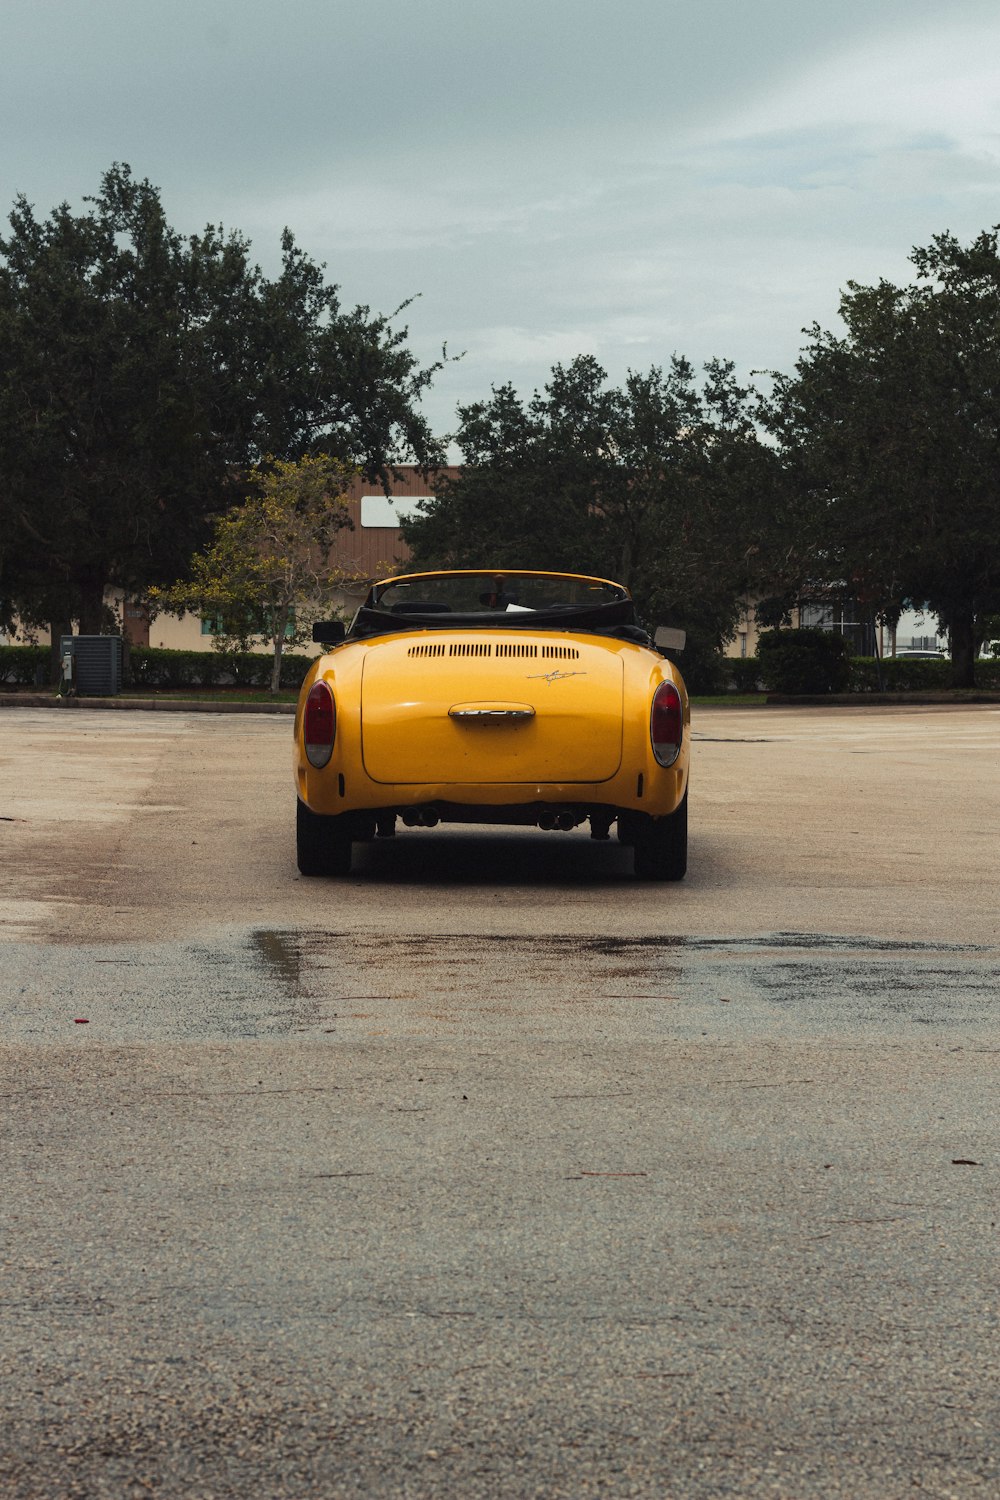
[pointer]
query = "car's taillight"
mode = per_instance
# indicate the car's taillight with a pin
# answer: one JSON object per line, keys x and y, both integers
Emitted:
{"x": 666, "y": 723}
{"x": 319, "y": 725}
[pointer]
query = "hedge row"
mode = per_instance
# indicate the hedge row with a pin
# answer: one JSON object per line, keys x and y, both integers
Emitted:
{"x": 804, "y": 661}
{"x": 805, "y": 666}
{"x": 902, "y": 674}
{"x": 796, "y": 663}
{"x": 24, "y": 666}
{"x": 158, "y": 667}
{"x": 742, "y": 673}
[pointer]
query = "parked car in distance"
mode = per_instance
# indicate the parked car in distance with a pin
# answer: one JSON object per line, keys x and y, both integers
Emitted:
{"x": 525, "y": 698}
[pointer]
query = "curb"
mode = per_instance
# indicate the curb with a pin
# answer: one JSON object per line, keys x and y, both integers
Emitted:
{"x": 147, "y": 705}
{"x": 880, "y": 700}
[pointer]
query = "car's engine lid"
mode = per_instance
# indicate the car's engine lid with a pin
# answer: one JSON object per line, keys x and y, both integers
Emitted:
{"x": 471, "y": 706}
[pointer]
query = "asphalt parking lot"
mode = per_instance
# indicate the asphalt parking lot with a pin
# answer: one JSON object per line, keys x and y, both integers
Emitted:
{"x": 490, "y": 1171}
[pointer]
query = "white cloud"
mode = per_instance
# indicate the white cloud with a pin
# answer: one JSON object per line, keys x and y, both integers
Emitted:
{"x": 503, "y": 347}
{"x": 942, "y": 82}
{"x": 391, "y": 214}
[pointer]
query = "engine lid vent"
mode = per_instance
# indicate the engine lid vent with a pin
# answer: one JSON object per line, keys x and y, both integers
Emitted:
{"x": 470, "y": 648}
{"x": 506, "y": 650}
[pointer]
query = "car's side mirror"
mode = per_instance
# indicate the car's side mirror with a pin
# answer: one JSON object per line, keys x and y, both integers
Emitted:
{"x": 329, "y": 632}
{"x": 666, "y": 638}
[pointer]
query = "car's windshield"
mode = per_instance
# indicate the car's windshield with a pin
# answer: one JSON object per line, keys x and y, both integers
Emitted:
{"x": 492, "y": 593}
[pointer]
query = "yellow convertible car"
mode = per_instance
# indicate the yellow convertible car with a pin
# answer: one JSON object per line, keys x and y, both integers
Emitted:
{"x": 514, "y": 698}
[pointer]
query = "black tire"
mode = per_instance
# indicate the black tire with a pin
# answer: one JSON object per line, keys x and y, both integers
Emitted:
{"x": 661, "y": 847}
{"x": 321, "y": 843}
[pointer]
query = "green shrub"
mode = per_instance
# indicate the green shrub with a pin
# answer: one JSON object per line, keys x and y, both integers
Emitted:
{"x": 159, "y": 667}
{"x": 24, "y": 666}
{"x": 744, "y": 673}
{"x": 900, "y": 674}
{"x": 294, "y": 667}
{"x": 988, "y": 674}
{"x": 804, "y": 661}
{"x": 702, "y": 666}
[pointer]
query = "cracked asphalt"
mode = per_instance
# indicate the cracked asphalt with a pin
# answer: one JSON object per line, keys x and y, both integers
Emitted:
{"x": 488, "y": 1171}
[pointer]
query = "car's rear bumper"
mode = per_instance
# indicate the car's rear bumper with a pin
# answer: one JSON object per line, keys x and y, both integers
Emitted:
{"x": 332, "y": 791}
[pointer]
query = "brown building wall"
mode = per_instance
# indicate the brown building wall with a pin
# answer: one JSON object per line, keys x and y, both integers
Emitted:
{"x": 376, "y": 551}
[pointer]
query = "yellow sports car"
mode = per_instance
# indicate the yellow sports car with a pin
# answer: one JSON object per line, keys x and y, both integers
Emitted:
{"x": 469, "y": 697}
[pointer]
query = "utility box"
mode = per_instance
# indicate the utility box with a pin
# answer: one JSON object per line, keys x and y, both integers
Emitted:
{"x": 95, "y": 662}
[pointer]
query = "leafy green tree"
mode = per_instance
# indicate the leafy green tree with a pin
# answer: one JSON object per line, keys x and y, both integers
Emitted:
{"x": 267, "y": 571}
{"x": 891, "y": 435}
{"x": 141, "y": 373}
{"x": 105, "y": 467}
{"x": 657, "y": 483}
{"x": 294, "y": 372}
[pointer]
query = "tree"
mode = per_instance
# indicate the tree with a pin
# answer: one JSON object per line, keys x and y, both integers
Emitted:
{"x": 141, "y": 373}
{"x": 892, "y": 431}
{"x": 267, "y": 568}
{"x": 658, "y": 484}
{"x": 105, "y": 464}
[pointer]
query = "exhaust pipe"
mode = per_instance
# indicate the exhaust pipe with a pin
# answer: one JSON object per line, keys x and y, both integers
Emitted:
{"x": 420, "y": 817}
{"x": 562, "y": 821}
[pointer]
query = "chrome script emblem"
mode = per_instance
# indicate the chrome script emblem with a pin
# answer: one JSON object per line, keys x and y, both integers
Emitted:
{"x": 555, "y": 676}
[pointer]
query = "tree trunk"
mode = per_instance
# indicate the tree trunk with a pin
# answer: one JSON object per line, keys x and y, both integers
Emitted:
{"x": 92, "y": 607}
{"x": 962, "y": 639}
{"x": 879, "y": 674}
{"x": 279, "y": 641}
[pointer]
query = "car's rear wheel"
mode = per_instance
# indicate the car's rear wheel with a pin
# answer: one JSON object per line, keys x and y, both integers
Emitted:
{"x": 322, "y": 844}
{"x": 661, "y": 846}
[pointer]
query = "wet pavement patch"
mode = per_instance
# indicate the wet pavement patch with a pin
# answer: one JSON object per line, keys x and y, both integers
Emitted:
{"x": 295, "y": 985}
{"x": 281, "y": 953}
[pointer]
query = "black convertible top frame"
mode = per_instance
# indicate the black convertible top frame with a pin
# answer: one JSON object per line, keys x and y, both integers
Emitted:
{"x": 616, "y": 619}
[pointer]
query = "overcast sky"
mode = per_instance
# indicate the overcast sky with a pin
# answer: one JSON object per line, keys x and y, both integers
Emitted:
{"x": 552, "y": 176}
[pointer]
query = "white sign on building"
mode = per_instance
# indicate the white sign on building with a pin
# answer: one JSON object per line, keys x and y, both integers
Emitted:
{"x": 388, "y": 510}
